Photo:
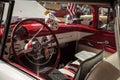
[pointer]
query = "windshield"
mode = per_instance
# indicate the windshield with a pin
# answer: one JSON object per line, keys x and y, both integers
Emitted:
{"x": 16, "y": 37}
{"x": 23, "y": 9}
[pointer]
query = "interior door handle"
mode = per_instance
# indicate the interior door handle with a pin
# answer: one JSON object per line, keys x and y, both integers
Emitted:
{"x": 89, "y": 43}
{"x": 104, "y": 42}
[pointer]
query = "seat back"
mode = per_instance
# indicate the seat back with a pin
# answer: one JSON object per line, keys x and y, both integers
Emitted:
{"x": 86, "y": 66}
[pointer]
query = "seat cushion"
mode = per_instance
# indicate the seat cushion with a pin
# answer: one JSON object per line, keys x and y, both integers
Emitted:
{"x": 103, "y": 71}
{"x": 70, "y": 69}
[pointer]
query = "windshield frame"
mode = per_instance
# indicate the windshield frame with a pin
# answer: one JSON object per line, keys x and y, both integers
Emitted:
{"x": 2, "y": 11}
{"x": 7, "y": 24}
{"x": 117, "y": 29}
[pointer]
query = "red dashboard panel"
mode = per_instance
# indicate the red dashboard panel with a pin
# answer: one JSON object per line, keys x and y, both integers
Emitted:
{"x": 63, "y": 27}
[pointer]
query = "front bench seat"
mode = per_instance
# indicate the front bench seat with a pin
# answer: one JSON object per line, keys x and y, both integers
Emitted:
{"x": 78, "y": 70}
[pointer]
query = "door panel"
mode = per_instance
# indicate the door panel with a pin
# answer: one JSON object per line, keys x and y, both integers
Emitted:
{"x": 100, "y": 40}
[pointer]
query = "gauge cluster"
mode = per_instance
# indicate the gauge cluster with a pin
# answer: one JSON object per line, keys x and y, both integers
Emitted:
{"x": 20, "y": 32}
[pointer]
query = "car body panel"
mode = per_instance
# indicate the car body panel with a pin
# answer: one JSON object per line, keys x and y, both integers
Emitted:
{"x": 9, "y": 72}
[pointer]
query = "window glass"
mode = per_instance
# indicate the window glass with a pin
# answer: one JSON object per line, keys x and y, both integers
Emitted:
{"x": 86, "y": 16}
{"x": 39, "y": 54}
{"x": 111, "y": 21}
{"x": 106, "y": 21}
{"x": 83, "y": 13}
{"x": 1, "y": 11}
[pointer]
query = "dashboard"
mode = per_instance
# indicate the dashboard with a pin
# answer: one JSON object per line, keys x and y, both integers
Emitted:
{"x": 62, "y": 39}
{"x": 65, "y": 33}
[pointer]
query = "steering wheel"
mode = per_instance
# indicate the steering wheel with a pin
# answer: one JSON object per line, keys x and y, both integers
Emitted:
{"x": 38, "y": 52}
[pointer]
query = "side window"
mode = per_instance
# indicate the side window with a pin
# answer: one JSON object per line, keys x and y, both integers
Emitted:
{"x": 86, "y": 15}
{"x": 103, "y": 17}
{"x": 111, "y": 21}
{"x": 106, "y": 21}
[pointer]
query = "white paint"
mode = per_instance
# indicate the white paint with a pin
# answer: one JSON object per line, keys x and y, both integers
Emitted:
{"x": 71, "y": 36}
{"x": 8, "y": 72}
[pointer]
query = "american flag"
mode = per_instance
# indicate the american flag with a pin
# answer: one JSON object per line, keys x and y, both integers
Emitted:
{"x": 72, "y": 9}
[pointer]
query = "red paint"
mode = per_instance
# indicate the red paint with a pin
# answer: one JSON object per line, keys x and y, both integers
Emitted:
{"x": 23, "y": 69}
{"x": 100, "y": 37}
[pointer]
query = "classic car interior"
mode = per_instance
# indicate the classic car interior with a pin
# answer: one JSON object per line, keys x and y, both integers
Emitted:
{"x": 83, "y": 50}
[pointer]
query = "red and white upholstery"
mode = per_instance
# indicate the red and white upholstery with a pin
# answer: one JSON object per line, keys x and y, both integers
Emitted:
{"x": 73, "y": 70}
{"x": 70, "y": 69}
